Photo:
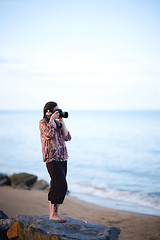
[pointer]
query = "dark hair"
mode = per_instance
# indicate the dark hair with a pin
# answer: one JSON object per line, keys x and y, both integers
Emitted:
{"x": 48, "y": 106}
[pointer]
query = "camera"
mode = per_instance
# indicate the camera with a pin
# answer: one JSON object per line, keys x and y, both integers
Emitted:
{"x": 62, "y": 114}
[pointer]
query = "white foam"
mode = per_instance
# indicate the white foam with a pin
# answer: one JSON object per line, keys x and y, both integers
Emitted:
{"x": 102, "y": 191}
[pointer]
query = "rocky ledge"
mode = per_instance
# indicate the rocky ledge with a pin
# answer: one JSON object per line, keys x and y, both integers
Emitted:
{"x": 25, "y": 227}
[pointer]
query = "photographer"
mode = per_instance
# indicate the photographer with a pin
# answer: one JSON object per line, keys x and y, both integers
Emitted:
{"x": 53, "y": 136}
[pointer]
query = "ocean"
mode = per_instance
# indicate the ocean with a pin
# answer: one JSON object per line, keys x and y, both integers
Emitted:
{"x": 114, "y": 156}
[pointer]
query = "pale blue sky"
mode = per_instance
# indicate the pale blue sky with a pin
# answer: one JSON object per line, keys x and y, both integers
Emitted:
{"x": 83, "y": 54}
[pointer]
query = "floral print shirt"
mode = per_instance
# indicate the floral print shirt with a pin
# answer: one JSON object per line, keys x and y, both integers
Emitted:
{"x": 53, "y": 142}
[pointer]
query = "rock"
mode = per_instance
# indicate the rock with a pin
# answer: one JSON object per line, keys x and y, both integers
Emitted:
{"x": 2, "y": 176}
{"x": 25, "y": 178}
{"x": 5, "y": 224}
{"x": 22, "y": 186}
{"x": 41, "y": 228}
{"x": 3, "y": 215}
{"x": 40, "y": 185}
{"x": 4, "y": 179}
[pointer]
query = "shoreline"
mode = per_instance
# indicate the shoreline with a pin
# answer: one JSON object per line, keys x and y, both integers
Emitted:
{"x": 135, "y": 226}
{"x": 115, "y": 205}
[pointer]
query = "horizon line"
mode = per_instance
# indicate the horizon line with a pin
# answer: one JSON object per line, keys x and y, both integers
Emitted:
{"x": 71, "y": 109}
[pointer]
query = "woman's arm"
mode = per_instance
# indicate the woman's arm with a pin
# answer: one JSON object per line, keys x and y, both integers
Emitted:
{"x": 64, "y": 129}
{"x": 46, "y": 130}
{"x": 65, "y": 132}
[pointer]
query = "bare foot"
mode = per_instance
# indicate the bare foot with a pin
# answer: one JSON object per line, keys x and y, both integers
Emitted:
{"x": 53, "y": 217}
{"x": 54, "y": 213}
{"x": 57, "y": 218}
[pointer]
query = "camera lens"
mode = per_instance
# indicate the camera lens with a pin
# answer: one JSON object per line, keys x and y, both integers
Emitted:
{"x": 62, "y": 114}
{"x": 65, "y": 114}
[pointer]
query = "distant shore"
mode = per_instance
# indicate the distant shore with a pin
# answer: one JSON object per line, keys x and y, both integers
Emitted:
{"x": 34, "y": 202}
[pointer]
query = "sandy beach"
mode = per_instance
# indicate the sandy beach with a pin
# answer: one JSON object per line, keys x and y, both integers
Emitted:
{"x": 34, "y": 202}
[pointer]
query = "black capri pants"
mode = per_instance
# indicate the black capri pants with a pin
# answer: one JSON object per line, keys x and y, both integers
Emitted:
{"x": 58, "y": 184}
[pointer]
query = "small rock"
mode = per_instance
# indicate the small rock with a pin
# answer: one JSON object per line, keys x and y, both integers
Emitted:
{"x": 2, "y": 176}
{"x": 3, "y": 215}
{"x": 23, "y": 186}
{"x": 4, "y": 179}
{"x": 40, "y": 185}
{"x": 25, "y": 178}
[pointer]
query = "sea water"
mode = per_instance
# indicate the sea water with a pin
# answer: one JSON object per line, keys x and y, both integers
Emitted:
{"x": 114, "y": 155}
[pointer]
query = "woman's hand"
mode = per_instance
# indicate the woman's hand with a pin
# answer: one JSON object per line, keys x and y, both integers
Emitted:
{"x": 60, "y": 120}
{"x": 54, "y": 116}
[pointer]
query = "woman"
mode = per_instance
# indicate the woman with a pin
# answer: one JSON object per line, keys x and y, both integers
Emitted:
{"x": 53, "y": 136}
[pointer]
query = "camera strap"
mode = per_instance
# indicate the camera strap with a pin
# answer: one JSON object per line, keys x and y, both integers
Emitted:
{"x": 59, "y": 125}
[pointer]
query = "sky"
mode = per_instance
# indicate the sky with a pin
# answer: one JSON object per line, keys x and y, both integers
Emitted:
{"x": 82, "y": 54}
